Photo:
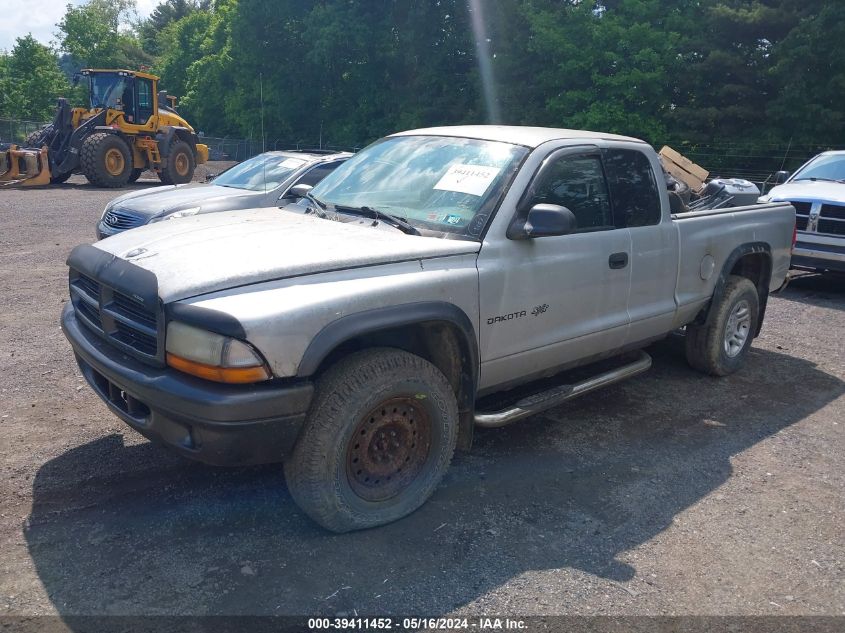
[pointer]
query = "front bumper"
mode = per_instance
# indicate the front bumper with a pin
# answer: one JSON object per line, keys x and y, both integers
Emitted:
{"x": 104, "y": 230}
{"x": 210, "y": 422}
{"x": 818, "y": 253}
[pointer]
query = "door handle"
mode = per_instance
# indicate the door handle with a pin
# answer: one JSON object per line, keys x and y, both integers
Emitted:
{"x": 618, "y": 260}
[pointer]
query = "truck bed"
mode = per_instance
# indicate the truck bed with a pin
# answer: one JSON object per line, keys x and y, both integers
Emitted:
{"x": 764, "y": 227}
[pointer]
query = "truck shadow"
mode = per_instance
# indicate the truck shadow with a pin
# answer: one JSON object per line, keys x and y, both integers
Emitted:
{"x": 121, "y": 529}
{"x": 819, "y": 290}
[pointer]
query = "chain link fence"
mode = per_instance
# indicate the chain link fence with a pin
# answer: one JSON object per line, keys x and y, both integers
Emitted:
{"x": 755, "y": 162}
{"x": 15, "y": 131}
{"x": 222, "y": 148}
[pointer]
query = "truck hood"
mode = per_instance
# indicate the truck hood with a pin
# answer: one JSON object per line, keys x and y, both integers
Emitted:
{"x": 809, "y": 191}
{"x": 152, "y": 202}
{"x": 201, "y": 254}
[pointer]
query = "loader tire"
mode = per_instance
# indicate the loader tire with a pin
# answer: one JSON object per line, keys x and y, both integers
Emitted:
{"x": 32, "y": 139}
{"x": 105, "y": 160}
{"x": 179, "y": 165}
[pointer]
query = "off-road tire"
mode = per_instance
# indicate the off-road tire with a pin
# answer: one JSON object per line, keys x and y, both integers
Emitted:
{"x": 136, "y": 173}
{"x": 350, "y": 391}
{"x": 93, "y": 156}
{"x": 32, "y": 138}
{"x": 705, "y": 344}
{"x": 179, "y": 165}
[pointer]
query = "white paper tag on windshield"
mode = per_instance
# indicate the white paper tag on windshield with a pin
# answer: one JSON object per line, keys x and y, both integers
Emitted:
{"x": 291, "y": 163}
{"x": 471, "y": 179}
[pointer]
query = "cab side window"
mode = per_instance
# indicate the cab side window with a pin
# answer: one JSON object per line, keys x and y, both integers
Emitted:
{"x": 144, "y": 88}
{"x": 577, "y": 183}
{"x": 316, "y": 174}
{"x": 633, "y": 189}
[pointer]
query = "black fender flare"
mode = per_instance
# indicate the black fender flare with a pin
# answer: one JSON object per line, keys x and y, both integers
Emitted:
{"x": 372, "y": 321}
{"x": 749, "y": 248}
{"x": 166, "y": 134}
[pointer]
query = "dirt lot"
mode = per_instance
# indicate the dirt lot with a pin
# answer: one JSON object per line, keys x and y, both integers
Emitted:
{"x": 673, "y": 493}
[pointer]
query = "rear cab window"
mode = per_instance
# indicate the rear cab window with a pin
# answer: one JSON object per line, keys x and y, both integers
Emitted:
{"x": 633, "y": 188}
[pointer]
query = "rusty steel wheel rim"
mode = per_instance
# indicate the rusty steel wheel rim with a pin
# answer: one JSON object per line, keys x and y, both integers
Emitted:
{"x": 388, "y": 448}
{"x": 182, "y": 164}
{"x": 114, "y": 162}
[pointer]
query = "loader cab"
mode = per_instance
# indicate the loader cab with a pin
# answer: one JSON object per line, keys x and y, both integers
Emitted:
{"x": 131, "y": 93}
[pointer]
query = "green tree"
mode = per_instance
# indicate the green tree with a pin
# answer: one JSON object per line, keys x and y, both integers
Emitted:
{"x": 181, "y": 45}
{"x": 30, "y": 81}
{"x": 163, "y": 16}
{"x": 95, "y": 34}
{"x": 809, "y": 75}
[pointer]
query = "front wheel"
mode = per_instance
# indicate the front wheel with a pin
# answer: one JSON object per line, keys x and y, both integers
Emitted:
{"x": 179, "y": 165}
{"x": 106, "y": 160}
{"x": 720, "y": 348}
{"x": 378, "y": 439}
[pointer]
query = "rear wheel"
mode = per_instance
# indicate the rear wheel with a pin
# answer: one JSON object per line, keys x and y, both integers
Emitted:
{"x": 378, "y": 439}
{"x": 179, "y": 165}
{"x": 720, "y": 347}
{"x": 105, "y": 160}
{"x": 32, "y": 139}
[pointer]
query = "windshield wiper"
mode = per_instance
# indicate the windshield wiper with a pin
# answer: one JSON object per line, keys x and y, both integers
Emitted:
{"x": 317, "y": 206}
{"x": 381, "y": 216}
{"x": 814, "y": 179}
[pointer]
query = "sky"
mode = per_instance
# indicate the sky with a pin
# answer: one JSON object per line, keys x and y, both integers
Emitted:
{"x": 39, "y": 17}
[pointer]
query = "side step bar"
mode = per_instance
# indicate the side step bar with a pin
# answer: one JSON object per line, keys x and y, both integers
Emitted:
{"x": 557, "y": 395}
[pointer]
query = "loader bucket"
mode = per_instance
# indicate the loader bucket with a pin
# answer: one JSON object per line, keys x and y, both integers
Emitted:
{"x": 24, "y": 167}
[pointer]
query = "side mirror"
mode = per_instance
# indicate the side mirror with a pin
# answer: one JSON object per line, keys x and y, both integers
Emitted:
{"x": 210, "y": 177}
{"x": 780, "y": 177}
{"x": 544, "y": 220}
{"x": 298, "y": 191}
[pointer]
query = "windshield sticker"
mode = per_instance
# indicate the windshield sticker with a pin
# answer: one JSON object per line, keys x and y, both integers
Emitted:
{"x": 452, "y": 219}
{"x": 291, "y": 163}
{"x": 475, "y": 227}
{"x": 471, "y": 179}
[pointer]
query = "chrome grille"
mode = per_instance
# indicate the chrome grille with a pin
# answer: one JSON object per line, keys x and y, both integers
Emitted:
{"x": 802, "y": 214}
{"x": 128, "y": 323}
{"x": 832, "y": 219}
{"x": 122, "y": 220}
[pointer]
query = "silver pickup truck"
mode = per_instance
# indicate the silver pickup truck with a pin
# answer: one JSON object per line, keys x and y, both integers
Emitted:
{"x": 421, "y": 289}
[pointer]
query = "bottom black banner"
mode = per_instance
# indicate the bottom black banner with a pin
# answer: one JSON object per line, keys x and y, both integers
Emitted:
{"x": 530, "y": 624}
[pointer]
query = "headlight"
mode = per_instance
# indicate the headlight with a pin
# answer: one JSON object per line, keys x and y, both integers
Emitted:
{"x": 184, "y": 213}
{"x": 213, "y": 356}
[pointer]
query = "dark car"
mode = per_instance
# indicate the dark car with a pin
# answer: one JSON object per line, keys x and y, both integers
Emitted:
{"x": 261, "y": 181}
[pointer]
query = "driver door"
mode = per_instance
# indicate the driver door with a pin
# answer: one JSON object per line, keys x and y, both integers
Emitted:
{"x": 550, "y": 301}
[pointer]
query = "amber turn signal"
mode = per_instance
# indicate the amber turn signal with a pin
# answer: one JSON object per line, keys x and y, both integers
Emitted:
{"x": 232, "y": 375}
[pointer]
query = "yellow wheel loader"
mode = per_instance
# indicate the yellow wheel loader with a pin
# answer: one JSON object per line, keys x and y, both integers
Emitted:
{"x": 128, "y": 127}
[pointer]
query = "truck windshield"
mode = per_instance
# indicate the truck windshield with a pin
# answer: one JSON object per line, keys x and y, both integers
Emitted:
{"x": 824, "y": 168}
{"x": 440, "y": 184}
{"x": 260, "y": 173}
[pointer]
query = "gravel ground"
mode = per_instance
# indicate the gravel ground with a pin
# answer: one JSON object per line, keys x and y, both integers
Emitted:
{"x": 670, "y": 494}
